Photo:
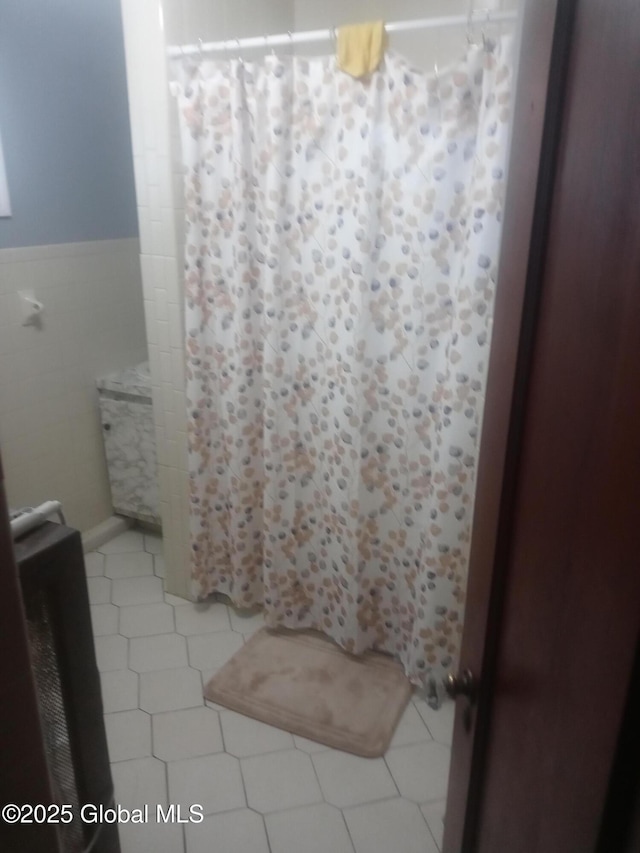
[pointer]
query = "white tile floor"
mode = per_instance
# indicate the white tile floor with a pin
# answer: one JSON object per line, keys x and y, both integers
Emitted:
{"x": 262, "y": 789}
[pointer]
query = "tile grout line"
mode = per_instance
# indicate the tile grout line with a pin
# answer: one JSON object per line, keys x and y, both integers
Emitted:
{"x": 393, "y": 778}
{"x": 315, "y": 773}
{"x": 430, "y": 830}
{"x": 266, "y": 832}
{"x": 346, "y": 825}
{"x": 244, "y": 786}
{"x": 377, "y": 802}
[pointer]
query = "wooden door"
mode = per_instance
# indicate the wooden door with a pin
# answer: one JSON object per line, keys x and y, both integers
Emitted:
{"x": 553, "y": 614}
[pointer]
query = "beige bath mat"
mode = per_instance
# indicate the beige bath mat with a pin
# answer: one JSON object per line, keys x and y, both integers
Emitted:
{"x": 304, "y": 683}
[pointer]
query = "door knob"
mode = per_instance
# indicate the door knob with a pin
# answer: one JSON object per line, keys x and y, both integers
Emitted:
{"x": 464, "y": 684}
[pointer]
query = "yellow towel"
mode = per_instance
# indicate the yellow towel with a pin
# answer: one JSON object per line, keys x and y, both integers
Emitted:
{"x": 361, "y": 48}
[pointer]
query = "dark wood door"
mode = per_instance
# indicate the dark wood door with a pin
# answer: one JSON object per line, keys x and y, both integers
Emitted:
{"x": 553, "y": 615}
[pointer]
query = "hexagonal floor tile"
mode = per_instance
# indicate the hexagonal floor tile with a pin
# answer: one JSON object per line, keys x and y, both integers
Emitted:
{"x": 141, "y": 620}
{"x": 128, "y": 591}
{"x": 119, "y": 690}
{"x": 151, "y": 837}
{"x": 244, "y": 736}
{"x": 239, "y": 831}
{"x": 99, "y": 589}
{"x": 140, "y": 781}
{"x": 111, "y": 652}
{"x": 208, "y": 652}
{"x": 161, "y": 651}
{"x": 314, "y": 829}
{"x": 170, "y": 689}
{"x": 202, "y": 619}
{"x": 280, "y": 780}
{"x": 94, "y": 564}
{"x": 212, "y": 781}
{"x": 176, "y": 600}
{"x": 434, "y": 816}
{"x": 390, "y": 825}
{"x": 348, "y": 780}
{"x": 152, "y": 543}
{"x": 130, "y": 540}
{"x": 128, "y": 735}
{"x": 104, "y": 619}
{"x": 439, "y": 721}
{"x": 128, "y": 565}
{"x": 421, "y": 771}
{"x": 186, "y": 734}
{"x": 411, "y": 728}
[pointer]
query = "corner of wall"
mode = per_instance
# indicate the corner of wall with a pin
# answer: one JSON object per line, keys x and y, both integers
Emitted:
{"x": 149, "y": 108}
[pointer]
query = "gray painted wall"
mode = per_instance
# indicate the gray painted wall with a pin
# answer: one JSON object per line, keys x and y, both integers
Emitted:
{"x": 64, "y": 122}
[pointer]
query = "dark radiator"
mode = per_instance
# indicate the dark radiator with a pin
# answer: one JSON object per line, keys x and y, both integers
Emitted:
{"x": 54, "y": 588}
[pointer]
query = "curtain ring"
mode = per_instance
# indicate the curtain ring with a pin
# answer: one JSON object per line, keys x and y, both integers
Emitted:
{"x": 289, "y": 33}
{"x": 200, "y": 52}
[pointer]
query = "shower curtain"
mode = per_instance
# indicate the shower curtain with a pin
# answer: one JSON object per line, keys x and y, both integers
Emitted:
{"x": 340, "y": 262}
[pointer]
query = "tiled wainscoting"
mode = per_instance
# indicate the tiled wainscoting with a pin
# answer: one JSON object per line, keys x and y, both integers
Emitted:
{"x": 262, "y": 789}
{"x": 92, "y": 323}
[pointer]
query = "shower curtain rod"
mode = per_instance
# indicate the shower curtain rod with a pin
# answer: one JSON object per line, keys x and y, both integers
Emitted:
{"x": 485, "y": 17}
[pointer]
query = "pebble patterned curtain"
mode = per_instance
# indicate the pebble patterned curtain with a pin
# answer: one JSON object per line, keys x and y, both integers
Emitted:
{"x": 340, "y": 263}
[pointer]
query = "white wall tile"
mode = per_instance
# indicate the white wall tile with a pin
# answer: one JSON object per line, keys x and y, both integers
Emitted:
{"x": 144, "y": 227}
{"x": 154, "y": 203}
{"x": 140, "y": 175}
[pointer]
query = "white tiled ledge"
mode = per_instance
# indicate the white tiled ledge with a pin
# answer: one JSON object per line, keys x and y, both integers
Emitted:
{"x": 64, "y": 250}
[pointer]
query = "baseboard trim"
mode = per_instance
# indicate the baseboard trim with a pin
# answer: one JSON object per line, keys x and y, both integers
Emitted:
{"x": 95, "y": 537}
